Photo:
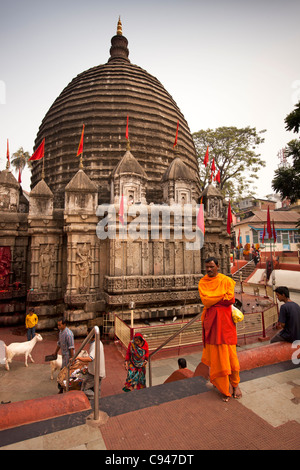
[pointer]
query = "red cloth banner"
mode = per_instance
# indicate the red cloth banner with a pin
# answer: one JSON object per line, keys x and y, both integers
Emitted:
{"x": 39, "y": 153}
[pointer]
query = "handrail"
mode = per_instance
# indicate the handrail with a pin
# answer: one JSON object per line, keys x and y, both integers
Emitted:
{"x": 242, "y": 267}
{"x": 94, "y": 332}
{"x": 167, "y": 341}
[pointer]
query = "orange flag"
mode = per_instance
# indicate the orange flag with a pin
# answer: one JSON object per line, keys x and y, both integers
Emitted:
{"x": 274, "y": 232}
{"x": 127, "y": 131}
{"x": 176, "y": 136}
{"x": 7, "y": 151}
{"x": 200, "y": 218}
{"x": 213, "y": 166}
{"x": 229, "y": 219}
{"x": 269, "y": 228}
{"x": 80, "y": 146}
{"x": 206, "y": 158}
{"x": 39, "y": 153}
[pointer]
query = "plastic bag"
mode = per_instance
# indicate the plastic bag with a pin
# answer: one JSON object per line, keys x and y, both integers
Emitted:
{"x": 237, "y": 315}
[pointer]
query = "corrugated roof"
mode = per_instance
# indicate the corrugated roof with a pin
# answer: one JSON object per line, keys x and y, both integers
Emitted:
{"x": 279, "y": 217}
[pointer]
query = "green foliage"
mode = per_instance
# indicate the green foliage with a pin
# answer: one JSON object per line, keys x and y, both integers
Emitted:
{"x": 286, "y": 181}
{"x": 292, "y": 120}
{"x": 20, "y": 159}
{"x": 234, "y": 152}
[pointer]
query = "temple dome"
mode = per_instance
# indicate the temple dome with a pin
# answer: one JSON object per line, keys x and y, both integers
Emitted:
{"x": 101, "y": 98}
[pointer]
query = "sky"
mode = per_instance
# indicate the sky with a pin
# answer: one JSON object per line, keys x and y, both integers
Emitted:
{"x": 225, "y": 62}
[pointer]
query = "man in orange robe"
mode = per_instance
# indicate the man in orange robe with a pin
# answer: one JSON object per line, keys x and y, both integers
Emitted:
{"x": 219, "y": 331}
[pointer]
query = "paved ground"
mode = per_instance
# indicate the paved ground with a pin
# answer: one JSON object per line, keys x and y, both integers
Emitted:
{"x": 182, "y": 416}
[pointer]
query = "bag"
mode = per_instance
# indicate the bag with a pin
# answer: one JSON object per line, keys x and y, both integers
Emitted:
{"x": 237, "y": 315}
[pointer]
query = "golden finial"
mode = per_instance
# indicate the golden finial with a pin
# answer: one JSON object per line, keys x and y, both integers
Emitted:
{"x": 81, "y": 162}
{"x": 119, "y": 28}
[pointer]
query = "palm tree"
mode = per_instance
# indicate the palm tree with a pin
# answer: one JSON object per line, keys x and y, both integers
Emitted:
{"x": 20, "y": 159}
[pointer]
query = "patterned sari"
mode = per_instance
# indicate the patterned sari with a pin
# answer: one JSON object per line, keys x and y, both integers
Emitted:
{"x": 136, "y": 356}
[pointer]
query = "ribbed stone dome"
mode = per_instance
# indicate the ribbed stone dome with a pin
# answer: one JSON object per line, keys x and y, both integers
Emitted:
{"x": 101, "y": 98}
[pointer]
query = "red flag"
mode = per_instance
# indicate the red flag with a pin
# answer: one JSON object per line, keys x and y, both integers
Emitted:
{"x": 127, "y": 133}
{"x": 176, "y": 136}
{"x": 39, "y": 153}
{"x": 229, "y": 219}
{"x": 7, "y": 151}
{"x": 264, "y": 233}
{"x": 213, "y": 167}
{"x": 200, "y": 218}
{"x": 19, "y": 178}
{"x": 206, "y": 158}
{"x": 80, "y": 146}
{"x": 269, "y": 228}
{"x": 218, "y": 177}
{"x": 121, "y": 211}
{"x": 274, "y": 232}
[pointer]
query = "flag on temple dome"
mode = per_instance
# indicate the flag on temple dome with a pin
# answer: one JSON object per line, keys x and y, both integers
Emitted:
{"x": 218, "y": 177}
{"x": 229, "y": 219}
{"x": 206, "y": 158}
{"x": 264, "y": 233}
{"x": 7, "y": 151}
{"x": 274, "y": 232}
{"x": 213, "y": 166}
{"x": 269, "y": 228}
{"x": 19, "y": 177}
{"x": 80, "y": 146}
{"x": 127, "y": 130}
{"x": 39, "y": 153}
{"x": 200, "y": 218}
{"x": 121, "y": 211}
{"x": 176, "y": 136}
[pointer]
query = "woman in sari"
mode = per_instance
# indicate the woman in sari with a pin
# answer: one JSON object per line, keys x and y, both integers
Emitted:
{"x": 135, "y": 363}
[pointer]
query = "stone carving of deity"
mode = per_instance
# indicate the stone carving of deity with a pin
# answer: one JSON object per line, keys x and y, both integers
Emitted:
{"x": 46, "y": 264}
{"x": 83, "y": 265}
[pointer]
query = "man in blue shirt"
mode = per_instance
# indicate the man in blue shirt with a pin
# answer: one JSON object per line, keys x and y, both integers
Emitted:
{"x": 65, "y": 343}
{"x": 289, "y": 317}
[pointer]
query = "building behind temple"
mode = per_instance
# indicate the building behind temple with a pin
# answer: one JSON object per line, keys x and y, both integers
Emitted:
{"x": 50, "y": 254}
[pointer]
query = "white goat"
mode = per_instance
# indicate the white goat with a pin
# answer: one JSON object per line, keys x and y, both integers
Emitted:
{"x": 56, "y": 364}
{"x": 25, "y": 347}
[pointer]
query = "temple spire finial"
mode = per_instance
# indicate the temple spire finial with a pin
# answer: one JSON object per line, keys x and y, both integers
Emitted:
{"x": 119, "y": 28}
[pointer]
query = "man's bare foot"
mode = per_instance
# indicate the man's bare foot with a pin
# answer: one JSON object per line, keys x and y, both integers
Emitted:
{"x": 226, "y": 397}
{"x": 237, "y": 392}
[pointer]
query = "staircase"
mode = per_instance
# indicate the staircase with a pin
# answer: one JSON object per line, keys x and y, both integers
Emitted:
{"x": 246, "y": 270}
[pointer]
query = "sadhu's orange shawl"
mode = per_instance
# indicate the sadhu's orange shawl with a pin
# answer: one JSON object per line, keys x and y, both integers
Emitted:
{"x": 214, "y": 289}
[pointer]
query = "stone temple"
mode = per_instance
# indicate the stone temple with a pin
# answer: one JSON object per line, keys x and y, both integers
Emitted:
{"x": 51, "y": 255}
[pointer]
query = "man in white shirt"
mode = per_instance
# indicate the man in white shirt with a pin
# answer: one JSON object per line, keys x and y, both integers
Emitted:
{"x": 87, "y": 385}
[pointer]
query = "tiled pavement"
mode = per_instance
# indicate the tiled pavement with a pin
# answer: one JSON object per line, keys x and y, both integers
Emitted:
{"x": 184, "y": 415}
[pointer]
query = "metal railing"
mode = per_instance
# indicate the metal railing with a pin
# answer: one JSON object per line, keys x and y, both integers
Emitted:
{"x": 167, "y": 341}
{"x": 95, "y": 332}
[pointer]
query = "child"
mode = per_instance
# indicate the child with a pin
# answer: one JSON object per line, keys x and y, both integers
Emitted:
{"x": 30, "y": 323}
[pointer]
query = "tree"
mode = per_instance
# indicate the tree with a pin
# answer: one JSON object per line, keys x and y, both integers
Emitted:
{"x": 234, "y": 154}
{"x": 286, "y": 181}
{"x": 20, "y": 160}
{"x": 292, "y": 120}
